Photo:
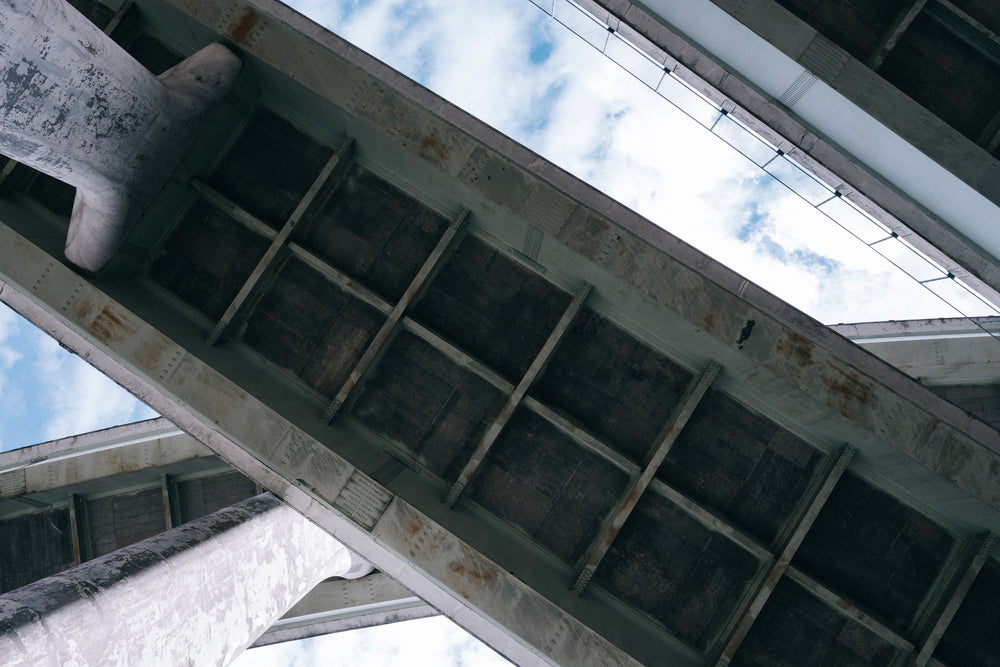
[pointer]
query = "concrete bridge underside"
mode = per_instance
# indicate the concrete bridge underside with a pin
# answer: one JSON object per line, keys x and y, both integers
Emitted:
{"x": 558, "y": 425}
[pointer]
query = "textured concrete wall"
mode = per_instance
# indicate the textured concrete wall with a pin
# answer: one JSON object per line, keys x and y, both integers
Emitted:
{"x": 198, "y": 594}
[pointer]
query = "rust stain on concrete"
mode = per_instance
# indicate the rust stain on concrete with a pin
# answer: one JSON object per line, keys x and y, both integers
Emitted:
{"x": 434, "y": 149}
{"x": 796, "y": 348}
{"x": 462, "y": 570}
{"x": 108, "y": 328}
{"x": 149, "y": 357}
{"x": 850, "y": 389}
{"x": 241, "y": 26}
{"x": 413, "y": 527}
{"x": 466, "y": 577}
{"x": 81, "y": 309}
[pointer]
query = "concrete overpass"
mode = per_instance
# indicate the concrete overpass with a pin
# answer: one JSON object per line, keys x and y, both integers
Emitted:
{"x": 570, "y": 432}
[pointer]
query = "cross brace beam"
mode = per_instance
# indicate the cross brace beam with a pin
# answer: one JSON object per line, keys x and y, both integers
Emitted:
{"x": 536, "y": 368}
{"x": 831, "y": 475}
{"x": 613, "y": 524}
{"x": 390, "y": 327}
{"x": 322, "y": 187}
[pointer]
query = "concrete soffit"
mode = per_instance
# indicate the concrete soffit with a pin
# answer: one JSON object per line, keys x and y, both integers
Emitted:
{"x": 690, "y": 307}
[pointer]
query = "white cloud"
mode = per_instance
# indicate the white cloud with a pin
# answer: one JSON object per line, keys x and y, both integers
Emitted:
{"x": 78, "y": 398}
{"x": 580, "y": 110}
{"x": 427, "y": 642}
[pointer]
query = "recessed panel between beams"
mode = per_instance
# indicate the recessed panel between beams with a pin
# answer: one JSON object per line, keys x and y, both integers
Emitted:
{"x": 374, "y": 233}
{"x": 857, "y": 26}
{"x": 95, "y": 12}
{"x": 795, "y": 629}
{"x": 33, "y": 547}
{"x": 423, "y": 401}
{"x": 616, "y": 386}
{"x": 201, "y": 497}
{"x": 308, "y": 325}
{"x": 118, "y": 521}
{"x": 679, "y": 572}
{"x": 973, "y": 637}
{"x": 949, "y": 77}
{"x": 741, "y": 465}
{"x": 207, "y": 259}
{"x": 492, "y": 307}
{"x": 270, "y": 168}
{"x": 541, "y": 480}
{"x": 875, "y": 551}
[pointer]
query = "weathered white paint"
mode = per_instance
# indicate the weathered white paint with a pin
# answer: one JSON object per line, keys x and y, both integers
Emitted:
{"x": 197, "y": 594}
{"x": 76, "y": 106}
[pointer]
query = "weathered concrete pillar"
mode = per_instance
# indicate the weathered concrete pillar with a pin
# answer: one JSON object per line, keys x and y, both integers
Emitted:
{"x": 195, "y": 595}
{"x": 76, "y": 106}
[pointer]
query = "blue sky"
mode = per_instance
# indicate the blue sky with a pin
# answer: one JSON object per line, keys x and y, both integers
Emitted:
{"x": 512, "y": 65}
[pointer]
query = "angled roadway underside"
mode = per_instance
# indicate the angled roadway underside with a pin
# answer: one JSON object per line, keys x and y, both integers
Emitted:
{"x": 68, "y": 501}
{"x": 578, "y": 437}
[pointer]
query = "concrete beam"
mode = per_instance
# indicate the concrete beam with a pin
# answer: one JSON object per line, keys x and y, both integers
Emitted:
{"x": 75, "y": 445}
{"x": 970, "y": 21}
{"x": 743, "y": 620}
{"x": 77, "y": 107}
{"x": 538, "y": 365}
{"x": 630, "y": 498}
{"x": 347, "y": 604}
{"x": 901, "y": 23}
{"x": 953, "y": 592}
{"x": 488, "y": 601}
{"x": 79, "y": 535}
{"x": 80, "y": 465}
{"x": 652, "y": 267}
{"x": 9, "y": 163}
{"x": 199, "y": 616}
{"x": 390, "y": 327}
{"x": 355, "y": 289}
{"x": 234, "y": 210}
{"x": 169, "y": 495}
{"x": 326, "y": 182}
{"x": 952, "y": 351}
{"x": 844, "y": 607}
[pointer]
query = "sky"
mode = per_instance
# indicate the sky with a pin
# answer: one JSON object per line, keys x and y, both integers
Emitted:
{"x": 516, "y": 68}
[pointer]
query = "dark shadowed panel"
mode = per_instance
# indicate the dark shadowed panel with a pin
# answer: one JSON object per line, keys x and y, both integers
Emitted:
{"x": 420, "y": 399}
{"x": 492, "y": 307}
{"x": 308, "y": 325}
{"x": 33, "y": 547}
{"x": 270, "y": 168}
{"x": 973, "y": 637}
{"x": 201, "y": 497}
{"x": 118, "y": 521}
{"x": 874, "y": 550}
{"x": 796, "y": 629}
{"x": 616, "y": 386}
{"x": 207, "y": 259}
{"x": 741, "y": 464}
{"x": 857, "y": 26}
{"x": 541, "y": 480}
{"x": 676, "y": 570}
{"x": 948, "y": 76}
{"x": 374, "y": 233}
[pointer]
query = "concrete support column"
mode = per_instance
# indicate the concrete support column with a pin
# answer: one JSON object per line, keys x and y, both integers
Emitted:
{"x": 197, "y": 594}
{"x": 76, "y": 106}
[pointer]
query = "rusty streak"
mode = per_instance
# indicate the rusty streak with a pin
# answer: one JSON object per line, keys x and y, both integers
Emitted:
{"x": 241, "y": 26}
